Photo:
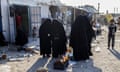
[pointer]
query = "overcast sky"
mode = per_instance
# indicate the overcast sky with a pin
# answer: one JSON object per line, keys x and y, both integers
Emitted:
{"x": 110, "y": 5}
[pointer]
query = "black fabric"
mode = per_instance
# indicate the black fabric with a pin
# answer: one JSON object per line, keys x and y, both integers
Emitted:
{"x": 2, "y": 40}
{"x": 112, "y": 29}
{"x": 45, "y": 37}
{"x": 11, "y": 11}
{"x": 90, "y": 34}
{"x": 79, "y": 39}
{"x": 58, "y": 39}
{"x": 21, "y": 37}
{"x": 111, "y": 38}
{"x": 111, "y": 34}
{"x": 22, "y": 11}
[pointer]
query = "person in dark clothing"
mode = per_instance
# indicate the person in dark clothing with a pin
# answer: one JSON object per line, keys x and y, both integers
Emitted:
{"x": 45, "y": 38}
{"x": 21, "y": 38}
{"x": 59, "y": 39}
{"x": 18, "y": 20}
{"x": 90, "y": 34}
{"x": 2, "y": 40}
{"x": 111, "y": 34}
{"x": 79, "y": 39}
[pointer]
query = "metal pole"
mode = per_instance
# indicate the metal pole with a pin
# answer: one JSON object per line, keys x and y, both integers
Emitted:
{"x": 117, "y": 10}
{"x": 74, "y": 13}
{"x": 8, "y": 12}
{"x": 98, "y": 8}
{"x": 114, "y": 11}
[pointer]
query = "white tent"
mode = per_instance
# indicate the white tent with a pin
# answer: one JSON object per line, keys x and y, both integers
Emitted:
{"x": 50, "y": 2}
{"x": 89, "y": 9}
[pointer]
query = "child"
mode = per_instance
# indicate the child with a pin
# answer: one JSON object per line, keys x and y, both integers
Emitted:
{"x": 34, "y": 32}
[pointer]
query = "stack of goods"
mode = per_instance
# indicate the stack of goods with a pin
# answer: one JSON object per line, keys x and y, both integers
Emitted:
{"x": 69, "y": 52}
{"x": 61, "y": 63}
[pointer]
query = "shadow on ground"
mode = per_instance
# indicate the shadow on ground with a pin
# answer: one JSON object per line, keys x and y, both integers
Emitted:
{"x": 41, "y": 62}
{"x": 115, "y": 53}
{"x": 80, "y": 66}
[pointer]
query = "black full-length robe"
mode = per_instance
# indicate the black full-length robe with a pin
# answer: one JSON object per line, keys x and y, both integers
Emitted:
{"x": 79, "y": 39}
{"x": 45, "y": 37}
{"x": 90, "y": 34}
{"x": 58, "y": 39}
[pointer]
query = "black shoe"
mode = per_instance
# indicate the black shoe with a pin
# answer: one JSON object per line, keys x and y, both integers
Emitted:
{"x": 90, "y": 54}
{"x": 55, "y": 56}
{"x": 43, "y": 56}
{"x": 48, "y": 55}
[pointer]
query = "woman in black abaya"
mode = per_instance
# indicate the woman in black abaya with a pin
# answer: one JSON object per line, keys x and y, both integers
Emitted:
{"x": 45, "y": 38}
{"x": 58, "y": 39}
{"x": 90, "y": 34}
{"x": 79, "y": 39}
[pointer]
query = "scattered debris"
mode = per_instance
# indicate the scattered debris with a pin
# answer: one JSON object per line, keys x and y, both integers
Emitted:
{"x": 32, "y": 49}
{"x": 4, "y": 56}
{"x": 42, "y": 69}
{"x": 19, "y": 57}
{"x": 15, "y": 59}
{"x": 35, "y": 52}
{"x": 93, "y": 45}
{"x": 97, "y": 49}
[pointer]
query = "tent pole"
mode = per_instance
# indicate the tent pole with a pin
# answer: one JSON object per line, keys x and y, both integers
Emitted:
{"x": 8, "y": 13}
